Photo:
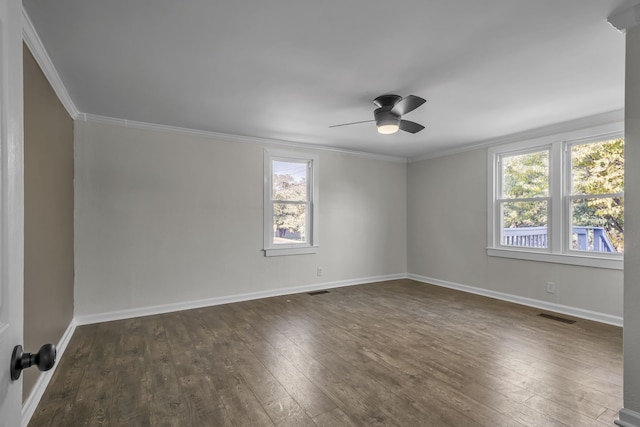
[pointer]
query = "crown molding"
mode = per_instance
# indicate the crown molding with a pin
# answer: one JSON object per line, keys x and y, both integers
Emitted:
{"x": 626, "y": 16}
{"x": 33, "y": 42}
{"x": 93, "y": 118}
{"x": 611, "y": 117}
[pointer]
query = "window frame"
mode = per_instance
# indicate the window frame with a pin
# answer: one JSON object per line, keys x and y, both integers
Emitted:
{"x": 500, "y": 200}
{"x": 569, "y": 196}
{"x": 559, "y": 230}
{"x": 312, "y": 243}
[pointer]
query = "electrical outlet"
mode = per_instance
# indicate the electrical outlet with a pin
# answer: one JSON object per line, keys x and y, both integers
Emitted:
{"x": 551, "y": 287}
{"x": 319, "y": 271}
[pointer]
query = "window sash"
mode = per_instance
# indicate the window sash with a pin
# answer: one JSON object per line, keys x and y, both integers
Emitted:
{"x": 307, "y": 223}
{"x": 559, "y": 199}
{"x": 568, "y": 147}
{"x": 609, "y": 237}
{"x": 499, "y": 200}
{"x": 520, "y": 231}
{"x": 308, "y": 169}
{"x": 570, "y": 196}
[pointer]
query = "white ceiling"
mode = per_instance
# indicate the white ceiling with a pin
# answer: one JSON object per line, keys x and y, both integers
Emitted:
{"x": 288, "y": 69}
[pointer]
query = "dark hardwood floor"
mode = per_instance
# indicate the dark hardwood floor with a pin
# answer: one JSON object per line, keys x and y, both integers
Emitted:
{"x": 396, "y": 353}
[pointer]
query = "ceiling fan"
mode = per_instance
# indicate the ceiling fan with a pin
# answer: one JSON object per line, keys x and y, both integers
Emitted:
{"x": 388, "y": 115}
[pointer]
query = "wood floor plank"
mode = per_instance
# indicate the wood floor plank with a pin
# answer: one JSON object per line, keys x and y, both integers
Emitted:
{"x": 405, "y": 410}
{"x": 347, "y": 399}
{"x": 130, "y": 401}
{"x": 263, "y": 384}
{"x": 609, "y": 416}
{"x": 166, "y": 402}
{"x": 335, "y": 418}
{"x": 562, "y": 413}
{"x": 203, "y": 404}
{"x": 285, "y": 412}
{"x": 395, "y": 353}
{"x": 410, "y": 387}
{"x": 94, "y": 400}
{"x": 243, "y": 406}
{"x": 307, "y": 393}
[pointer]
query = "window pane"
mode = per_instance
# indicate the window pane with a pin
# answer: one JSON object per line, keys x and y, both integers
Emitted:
{"x": 524, "y": 224}
{"x": 598, "y": 167}
{"x": 598, "y": 224}
{"x": 289, "y": 223}
{"x": 289, "y": 180}
{"x": 525, "y": 175}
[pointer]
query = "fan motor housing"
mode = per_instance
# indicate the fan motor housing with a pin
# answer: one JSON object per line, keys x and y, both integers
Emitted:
{"x": 384, "y": 116}
{"x": 388, "y": 101}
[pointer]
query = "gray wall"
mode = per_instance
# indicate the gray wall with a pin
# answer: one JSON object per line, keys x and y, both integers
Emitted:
{"x": 164, "y": 218}
{"x": 447, "y": 241}
{"x": 48, "y": 215}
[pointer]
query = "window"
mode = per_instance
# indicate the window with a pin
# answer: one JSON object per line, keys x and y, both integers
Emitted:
{"x": 290, "y": 203}
{"x": 524, "y": 199}
{"x": 558, "y": 201}
{"x": 596, "y": 198}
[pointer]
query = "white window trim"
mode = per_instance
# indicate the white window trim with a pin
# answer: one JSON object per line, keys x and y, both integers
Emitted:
{"x": 558, "y": 214}
{"x": 312, "y": 245}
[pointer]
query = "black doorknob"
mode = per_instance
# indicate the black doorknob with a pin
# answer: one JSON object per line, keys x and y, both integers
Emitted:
{"x": 44, "y": 359}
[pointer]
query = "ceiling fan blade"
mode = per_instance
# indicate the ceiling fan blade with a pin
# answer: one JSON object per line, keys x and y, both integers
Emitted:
{"x": 408, "y": 104}
{"x": 411, "y": 127}
{"x": 352, "y": 123}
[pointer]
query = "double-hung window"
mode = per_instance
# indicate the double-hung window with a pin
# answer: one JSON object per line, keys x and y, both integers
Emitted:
{"x": 558, "y": 201}
{"x": 524, "y": 199}
{"x": 290, "y": 203}
{"x": 595, "y": 196}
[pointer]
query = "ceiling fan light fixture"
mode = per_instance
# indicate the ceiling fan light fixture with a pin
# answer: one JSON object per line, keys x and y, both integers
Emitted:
{"x": 388, "y": 129}
{"x": 388, "y": 115}
{"x": 386, "y": 121}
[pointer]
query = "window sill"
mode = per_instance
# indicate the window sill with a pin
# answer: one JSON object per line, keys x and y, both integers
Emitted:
{"x": 291, "y": 251}
{"x": 570, "y": 259}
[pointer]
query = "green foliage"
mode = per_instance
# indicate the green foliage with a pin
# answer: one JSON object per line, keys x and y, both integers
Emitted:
{"x": 525, "y": 214}
{"x": 526, "y": 176}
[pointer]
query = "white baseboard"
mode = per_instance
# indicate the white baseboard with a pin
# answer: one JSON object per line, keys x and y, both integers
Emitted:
{"x": 628, "y": 418}
{"x": 544, "y": 305}
{"x": 187, "y": 305}
{"x": 29, "y": 406}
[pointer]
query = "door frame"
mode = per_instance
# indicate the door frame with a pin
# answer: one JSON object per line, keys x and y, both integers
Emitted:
{"x": 11, "y": 206}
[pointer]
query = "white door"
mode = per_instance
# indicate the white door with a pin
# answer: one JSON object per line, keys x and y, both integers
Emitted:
{"x": 11, "y": 206}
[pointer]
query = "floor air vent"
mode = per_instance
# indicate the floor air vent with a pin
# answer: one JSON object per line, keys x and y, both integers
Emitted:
{"x": 559, "y": 319}
{"x": 317, "y": 293}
